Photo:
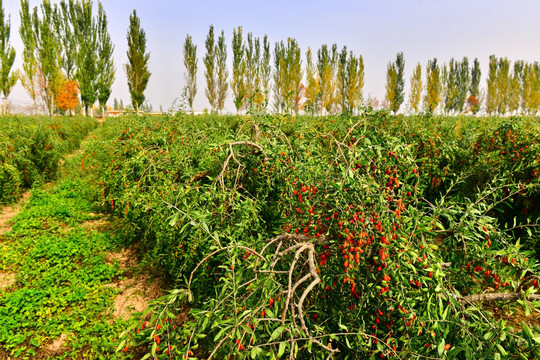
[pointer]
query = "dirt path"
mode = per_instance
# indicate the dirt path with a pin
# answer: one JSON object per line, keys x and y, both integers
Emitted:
{"x": 61, "y": 220}
{"x": 9, "y": 212}
{"x": 137, "y": 289}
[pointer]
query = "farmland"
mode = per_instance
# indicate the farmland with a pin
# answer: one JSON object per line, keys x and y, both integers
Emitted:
{"x": 279, "y": 237}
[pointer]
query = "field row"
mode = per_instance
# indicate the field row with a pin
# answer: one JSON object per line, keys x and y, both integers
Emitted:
{"x": 368, "y": 236}
{"x": 30, "y": 150}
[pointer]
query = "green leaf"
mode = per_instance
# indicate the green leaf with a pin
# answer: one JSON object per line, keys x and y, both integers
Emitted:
{"x": 121, "y": 345}
{"x": 526, "y": 330}
{"x": 174, "y": 220}
{"x": 468, "y": 353}
{"x": 341, "y": 326}
{"x": 219, "y": 334}
{"x": 205, "y": 227}
{"x": 270, "y": 313}
{"x": 277, "y": 333}
{"x": 501, "y": 350}
{"x": 440, "y": 348}
{"x": 255, "y": 352}
{"x": 282, "y": 347}
{"x": 445, "y": 313}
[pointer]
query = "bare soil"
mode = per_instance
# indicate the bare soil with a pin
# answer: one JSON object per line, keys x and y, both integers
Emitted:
{"x": 7, "y": 279}
{"x": 138, "y": 289}
{"x": 9, "y": 212}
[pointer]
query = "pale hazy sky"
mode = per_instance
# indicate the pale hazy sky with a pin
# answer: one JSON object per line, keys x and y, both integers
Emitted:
{"x": 375, "y": 29}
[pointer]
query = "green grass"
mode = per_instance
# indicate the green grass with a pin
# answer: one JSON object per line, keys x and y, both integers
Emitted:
{"x": 63, "y": 278}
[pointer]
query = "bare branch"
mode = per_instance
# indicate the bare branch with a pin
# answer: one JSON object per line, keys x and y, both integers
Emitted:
{"x": 490, "y": 297}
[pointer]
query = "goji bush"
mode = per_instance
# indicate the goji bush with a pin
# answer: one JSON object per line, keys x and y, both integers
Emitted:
{"x": 342, "y": 237}
{"x": 30, "y": 148}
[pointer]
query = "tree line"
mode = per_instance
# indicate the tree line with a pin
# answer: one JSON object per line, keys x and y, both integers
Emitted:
{"x": 332, "y": 82}
{"x": 68, "y": 57}
{"x": 333, "y": 79}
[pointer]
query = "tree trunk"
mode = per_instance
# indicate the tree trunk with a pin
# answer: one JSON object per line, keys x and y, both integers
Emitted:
{"x": 51, "y": 107}
{"x": 488, "y": 297}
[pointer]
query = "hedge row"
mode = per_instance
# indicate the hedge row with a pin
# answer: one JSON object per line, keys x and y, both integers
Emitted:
{"x": 30, "y": 148}
{"x": 302, "y": 237}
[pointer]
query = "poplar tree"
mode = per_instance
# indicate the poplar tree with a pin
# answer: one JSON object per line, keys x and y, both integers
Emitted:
{"x": 356, "y": 71}
{"x": 474, "y": 89}
{"x": 210, "y": 69}
{"x": 66, "y": 26}
{"x": 239, "y": 69}
{"x": 312, "y": 92}
{"x": 334, "y": 64}
{"x": 190, "y": 63}
{"x": 48, "y": 54}
{"x": 257, "y": 96}
{"x": 395, "y": 82}
{"x": 433, "y": 85}
{"x": 350, "y": 80}
{"x": 491, "y": 100}
{"x": 416, "y": 89}
{"x": 265, "y": 68}
{"x": 531, "y": 92}
{"x": 391, "y": 82}
{"x": 449, "y": 85}
{"x": 515, "y": 87}
{"x": 251, "y": 66}
{"x": 105, "y": 65}
{"x": 87, "y": 39}
{"x": 258, "y": 60}
{"x": 222, "y": 73}
{"x": 29, "y": 66}
{"x": 279, "y": 76}
{"x": 463, "y": 80}
{"x": 325, "y": 67}
{"x": 287, "y": 76}
{"x": 137, "y": 67}
{"x": 456, "y": 83}
{"x": 535, "y": 98}
{"x": 503, "y": 85}
{"x": 294, "y": 73}
{"x": 343, "y": 81}
{"x": 7, "y": 57}
{"x": 400, "y": 85}
{"x": 476, "y": 73}
{"x": 528, "y": 88}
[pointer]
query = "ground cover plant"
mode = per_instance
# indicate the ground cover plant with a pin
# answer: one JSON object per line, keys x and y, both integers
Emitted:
{"x": 30, "y": 148}
{"x": 67, "y": 282}
{"x": 348, "y": 237}
{"x": 59, "y": 305}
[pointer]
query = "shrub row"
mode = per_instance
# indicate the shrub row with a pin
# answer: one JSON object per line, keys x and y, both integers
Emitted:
{"x": 30, "y": 148}
{"x": 305, "y": 237}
